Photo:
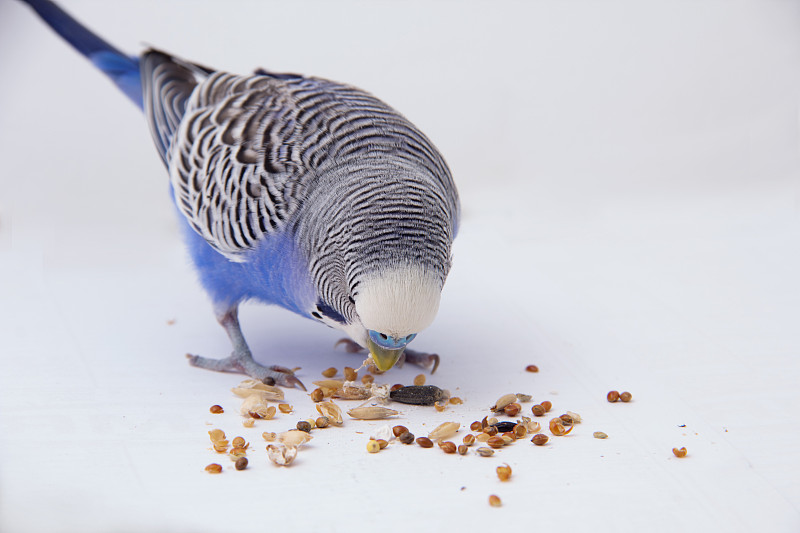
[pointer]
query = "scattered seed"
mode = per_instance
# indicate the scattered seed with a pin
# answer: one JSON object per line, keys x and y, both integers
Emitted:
{"x": 462, "y": 449}
{"x": 399, "y": 430}
{"x": 506, "y": 439}
{"x": 237, "y": 452}
{"x": 475, "y": 426}
{"x": 504, "y": 472}
{"x": 317, "y": 395}
{"x": 531, "y": 368}
{"x": 332, "y": 411}
{"x": 214, "y": 468}
{"x": 285, "y": 408}
{"x": 679, "y": 452}
{"x": 269, "y": 437}
{"x": 512, "y": 409}
{"x": 530, "y": 425}
{"x": 485, "y": 452}
{"x": 368, "y": 379}
{"x": 406, "y": 438}
{"x": 494, "y": 501}
{"x": 304, "y": 426}
{"x": 444, "y": 431}
{"x": 557, "y": 427}
{"x": 566, "y": 420}
{"x": 503, "y": 401}
{"x": 440, "y": 406}
{"x": 249, "y": 387}
{"x": 612, "y": 396}
{"x": 373, "y": 446}
{"x": 425, "y": 442}
{"x": 216, "y": 435}
{"x": 504, "y": 426}
{"x": 491, "y": 431}
{"x": 576, "y": 418}
{"x": 372, "y": 413}
{"x": 520, "y": 431}
{"x": 419, "y": 380}
{"x": 241, "y": 463}
{"x": 382, "y": 443}
{"x": 523, "y": 397}
{"x": 238, "y": 442}
{"x": 396, "y": 386}
{"x": 322, "y": 422}
{"x": 448, "y": 447}
{"x": 248, "y": 422}
{"x": 281, "y": 455}
{"x": 419, "y": 394}
{"x": 216, "y": 409}
{"x": 294, "y": 438}
{"x": 455, "y": 400}
{"x": 625, "y": 397}
{"x": 469, "y": 439}
{"x": 483, "y": 437}
{"x": 540, "y": 439}
{"x": 496, "y": 442}
{"x": 492, "y": 421}
{"x": 221, "y": 446}
{"x": 538, "y": 410}
{"x": 547, "y": 404}
{"x": 350, "y": 374}
{"x": 330, "y": 372}
{"x": 599, "y": 435}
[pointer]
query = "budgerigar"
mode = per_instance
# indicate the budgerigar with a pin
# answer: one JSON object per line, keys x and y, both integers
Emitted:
{"x": 294, "y": 191}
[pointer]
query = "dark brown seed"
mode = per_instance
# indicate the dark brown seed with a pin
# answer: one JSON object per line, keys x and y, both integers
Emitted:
{"x": 679, "y": 452}
{"x": 475, "y": 426}
{"x": 406, "y": 438}
{"x": 241, "y": 463}
{"x": 329, "y": 373}
{"x": 399, "y": 430}
{"x": 462, "y": 449}
{"x": 538, "y": 410}
{"x": 496, "y": 442}
{"x": 531, "y": 368}
{"x": 396, "y": 386}
{"x": 216, "y": 409}
{"x": 612, "y": 396}
{"x": 425, "y": 442}
{"x": 448, "y": 447}
{"x": 512, "y": 409}
{"x": 540, "y": 439}
{"x": 418, "y": 395}
{"x": 626, "y": 397}
{"x": 547, "y": 405}
{"x": 214, "y": 468}
{"x": 304, "y": 426}
{"x": 505, "y": 425}
{"x": 350, "y": 374}
{"x": 317, "y": 395}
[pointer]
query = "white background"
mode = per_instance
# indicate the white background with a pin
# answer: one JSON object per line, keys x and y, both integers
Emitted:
{"x": 631, "y": 220}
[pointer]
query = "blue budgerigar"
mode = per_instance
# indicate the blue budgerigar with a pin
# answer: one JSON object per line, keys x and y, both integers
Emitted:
{"x": 294, "y": 191}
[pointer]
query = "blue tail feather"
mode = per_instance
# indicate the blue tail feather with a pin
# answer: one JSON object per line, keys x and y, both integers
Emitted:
{"x": 121, "y": 68}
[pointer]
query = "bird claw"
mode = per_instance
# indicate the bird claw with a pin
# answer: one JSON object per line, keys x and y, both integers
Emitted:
{"x": 244, "y": 364}
{"x": 425, "y": 360}
{"x": 350, "y": 346}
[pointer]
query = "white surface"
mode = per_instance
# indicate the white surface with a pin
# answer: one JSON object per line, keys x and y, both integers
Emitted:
{"x": 629, "y": 177}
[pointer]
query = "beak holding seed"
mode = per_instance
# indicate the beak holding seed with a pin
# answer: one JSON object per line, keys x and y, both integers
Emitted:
{"x": 385, "y": 358}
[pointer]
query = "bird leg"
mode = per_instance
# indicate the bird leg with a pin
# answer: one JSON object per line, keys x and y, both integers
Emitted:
{"x": 425, "y": 360}
{"x": 241, "y": 359}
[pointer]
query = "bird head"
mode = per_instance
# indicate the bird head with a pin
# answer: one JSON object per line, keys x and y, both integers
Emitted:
{"x": 393, "y": 306}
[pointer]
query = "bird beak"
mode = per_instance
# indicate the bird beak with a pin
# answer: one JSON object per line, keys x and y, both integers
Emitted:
{"x": 384, "y": 358}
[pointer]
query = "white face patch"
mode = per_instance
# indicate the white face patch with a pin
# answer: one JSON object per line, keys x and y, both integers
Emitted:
{"x": 400, "y": 301}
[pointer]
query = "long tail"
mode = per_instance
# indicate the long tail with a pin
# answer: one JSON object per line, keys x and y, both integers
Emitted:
{"x": 121, "y": 68}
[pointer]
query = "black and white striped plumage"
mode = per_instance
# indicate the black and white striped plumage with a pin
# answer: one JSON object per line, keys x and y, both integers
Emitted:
{"x": 364, "y": 195}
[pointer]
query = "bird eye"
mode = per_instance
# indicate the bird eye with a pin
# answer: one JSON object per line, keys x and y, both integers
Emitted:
{"x": 383, "y": 336}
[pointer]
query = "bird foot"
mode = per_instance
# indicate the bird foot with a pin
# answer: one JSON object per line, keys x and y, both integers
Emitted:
{"x": 244, "y": 364}
{"x": 425, "y": 360}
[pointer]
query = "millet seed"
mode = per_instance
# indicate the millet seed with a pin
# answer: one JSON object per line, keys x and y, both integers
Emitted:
{"x": 612, "y": 396}
{"x": 330, "y": 372}
{"x": 538, "y": 410}
{"x": 448, "y": 447}
{"x": 350, "y": 374}
{"x": 214, "y": 468}
{"x": 399, "y": 430}
{"x": 540, "y": 439}
{"x": 216, "y": 409}
{"x": 494, "y": 500}
{"x": 547, "y": 404}
{"x": 679, "y": 452}
{"x": 512, "y": 409}
{"x": 284, "y": 408}
{"x": 241, "y": 463}
{"x": 531, "y": 368}
{"x": 317, "y": 395}
{"x": 625, "y": 397}
{"x": 419, "y": 380}
{"x": 304, "y": 426}
{"x": 425, "y": 442}
{"x": 504, "y": 472}
{"x": 406, "y": 438}
{"x": 322, "y": 422}
{"x": 462, "y": 449}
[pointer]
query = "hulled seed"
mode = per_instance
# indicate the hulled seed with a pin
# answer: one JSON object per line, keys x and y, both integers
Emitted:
{"x": 216, "y": 409}
{"x": 329, "y": 373}
{"x": 625, "y": 397}
{"x": 612, "y": 396}
{"x": 419, "y": 380}
{"x": 373, "y": 446}
{"x": 494, "y": 500}
{"x": 322, "y": 422}
{"x": 469, "y": 439}
{"x": 496, "y": 442}
{"x": 238, "y": 442}
{"x": 368, "y": 379}
{"x": 317, "y": 395}
{"x": 512, "y": 409}
{"x": 566, "y": 420}
{"x": 304, "y": 426}
{"x": 248, "y": 422}
{"x": 679, "y": 452}
{"x": 547, "y": 404}
{"x": 269, "y": 437}
{"x": 241, "y": 463}
{"x": 399, "y": 430}
{"x": 599, "y": 435}
{"x": 462, "y": 449}
{"x": 285, "y": 408}
{"x": 538, "y": 410}
{"x": 396, "y": 386}
{"x": 425, "y": 442}
{"x": 531, "y": 368}
{"x": 504, "y": 472}
{"x": 475, "y": 426}
{"x": 350, "y": 374}
{"x": 214, "y": 468}
{"x": 491, "y": 431}
{"x": 455, "y": 400}
{"x": 540, "y": 439}
{"x": 520, "y": 431}
{"x": 485, "y": 452}
{"x": 382, "y": 443}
